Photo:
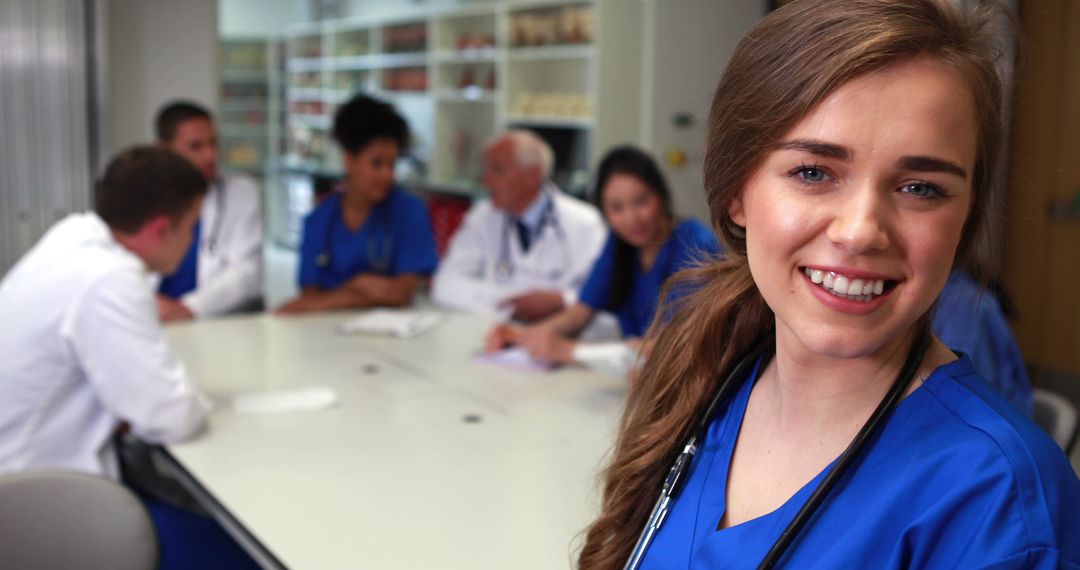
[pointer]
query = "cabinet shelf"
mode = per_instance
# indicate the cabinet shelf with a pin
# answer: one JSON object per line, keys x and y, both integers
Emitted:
{"x": 470, "y": 55}
{"x": 548, "y": 53}
{"x": 467, "y": 95}
{"x": 311, "y": 121}
{"x": 551, "y": 121}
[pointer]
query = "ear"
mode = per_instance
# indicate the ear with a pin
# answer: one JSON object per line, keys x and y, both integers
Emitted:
{"x": 736, "y": 211}
{"x": 156, "y": 229}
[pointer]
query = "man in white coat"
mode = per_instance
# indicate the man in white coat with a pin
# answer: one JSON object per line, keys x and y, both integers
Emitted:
{"x": 223, "y": 270}
{"x": 527, "y": 250}
{"x": 81, "y": 348}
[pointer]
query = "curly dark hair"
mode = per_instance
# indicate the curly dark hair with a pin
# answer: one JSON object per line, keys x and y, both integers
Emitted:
{"x": 363, "y": 119}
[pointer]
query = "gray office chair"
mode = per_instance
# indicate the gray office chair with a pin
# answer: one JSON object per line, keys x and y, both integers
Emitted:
{"x": 1058, "y": 416}
{"x": 62, "y": 520}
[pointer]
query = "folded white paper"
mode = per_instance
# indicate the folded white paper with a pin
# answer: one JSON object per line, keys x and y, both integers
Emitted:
{"x": 284, "y": 401}
{"x": 401, "y": 323}
{"x": 517, "y": 358}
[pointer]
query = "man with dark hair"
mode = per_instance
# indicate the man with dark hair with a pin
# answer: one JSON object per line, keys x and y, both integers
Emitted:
{"x": 81, "y": 348}
{"x": 222, "y": 271}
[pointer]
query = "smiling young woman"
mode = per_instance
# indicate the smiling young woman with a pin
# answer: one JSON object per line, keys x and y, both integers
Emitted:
{"x": 812, "y": 418}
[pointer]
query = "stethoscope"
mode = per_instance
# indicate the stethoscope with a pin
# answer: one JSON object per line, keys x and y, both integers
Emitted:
{"x": 213, "y": 237}
{"x": 504, "y": 265}
{"x": 379, "y": 250}
{"x": 676, "y": 475}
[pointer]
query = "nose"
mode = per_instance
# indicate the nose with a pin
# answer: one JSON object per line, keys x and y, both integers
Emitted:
{"x": 861, "y": 221}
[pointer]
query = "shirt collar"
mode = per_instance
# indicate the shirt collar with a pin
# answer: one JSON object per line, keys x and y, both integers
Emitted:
{"x": 534, "y": 214}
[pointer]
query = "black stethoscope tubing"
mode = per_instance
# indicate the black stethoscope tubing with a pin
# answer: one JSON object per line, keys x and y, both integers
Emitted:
{"x": 504, "y": 265}
{"x": 764, "y": 349}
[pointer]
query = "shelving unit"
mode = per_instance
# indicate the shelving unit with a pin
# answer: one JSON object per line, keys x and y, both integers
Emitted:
{"x": 463, "y": 73}
{"x": 246, "y": 106}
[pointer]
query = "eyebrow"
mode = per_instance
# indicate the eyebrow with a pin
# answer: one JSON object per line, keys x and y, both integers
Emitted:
{"x": 820, "y": 148}
{"x": 915, "y": 163}
{"x": 931, "y": 164}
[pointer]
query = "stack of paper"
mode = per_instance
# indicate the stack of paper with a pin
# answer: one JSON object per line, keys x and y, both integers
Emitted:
{"x": 284, "y": 401}
{"x": 401, "y": 323}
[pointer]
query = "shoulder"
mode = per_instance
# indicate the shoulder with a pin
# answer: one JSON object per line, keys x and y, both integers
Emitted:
{"x": 404, "y": 202}
{"x": 692, "y": 231}
{"x": 481, "y": 212}
{"x": 99, "y": 253}
{"x": 324, "y": 210}
{"x": 575, "y": 211}
{"x": 999, "y": 458}
{"x": 695, "y": 241}
{"x": 240, "y": 184}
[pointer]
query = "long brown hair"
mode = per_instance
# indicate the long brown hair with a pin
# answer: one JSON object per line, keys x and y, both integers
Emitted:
{"x": 788, "y": 64}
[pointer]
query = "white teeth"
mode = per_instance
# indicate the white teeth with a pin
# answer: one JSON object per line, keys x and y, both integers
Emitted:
{"x": 862, "y": 290}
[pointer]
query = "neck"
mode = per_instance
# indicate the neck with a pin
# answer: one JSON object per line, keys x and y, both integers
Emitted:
{"x": 526, "y": 203}
{"x": 132, "y": 243}
{"x": 809, "y": 391}
{"x": 354, "y": 202}
{"x": 647, "y": 253}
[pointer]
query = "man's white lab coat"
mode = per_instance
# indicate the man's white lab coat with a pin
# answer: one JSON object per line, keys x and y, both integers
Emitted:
{"x": 230, "y": 249}
{"x": 81, "y": 350}
{"x": 485, "y": 264}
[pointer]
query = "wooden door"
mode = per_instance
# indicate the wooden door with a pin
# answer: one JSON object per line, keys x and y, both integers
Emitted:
{"x": 1042, "y": 242}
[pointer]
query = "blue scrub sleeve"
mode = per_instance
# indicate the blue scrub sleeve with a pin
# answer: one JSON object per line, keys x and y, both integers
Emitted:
{"x": 309, "y": 251}
{"x": 416, "y": 252}
{"x": 597, "y": 289}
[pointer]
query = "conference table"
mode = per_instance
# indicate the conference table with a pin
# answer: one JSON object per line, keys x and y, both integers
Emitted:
{"x": 429, "y": 459}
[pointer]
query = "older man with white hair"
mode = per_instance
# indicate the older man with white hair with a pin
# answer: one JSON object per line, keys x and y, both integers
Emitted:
{"x": 527, "y": 250}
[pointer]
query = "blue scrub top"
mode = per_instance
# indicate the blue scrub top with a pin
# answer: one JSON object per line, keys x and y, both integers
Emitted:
{"x": 969, "y": 319}
{"x": 186, "y": 276}
{"x": 957, "y": 479}
{"x": 395, "y": 239}
{"x": 691, "y": 242}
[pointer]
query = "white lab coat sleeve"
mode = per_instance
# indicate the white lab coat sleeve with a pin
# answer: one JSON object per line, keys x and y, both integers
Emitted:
{"x": 460, "y": 282}
{"x": 116, "y": 337}
{"x": 586, "y": 242}
{"x": 240, "y": 279}
{"x": 615, "y": 358}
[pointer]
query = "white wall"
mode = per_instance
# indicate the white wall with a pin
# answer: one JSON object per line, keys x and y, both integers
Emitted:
{"x": 157, "y": 50}
{"x": 692, "y": 41}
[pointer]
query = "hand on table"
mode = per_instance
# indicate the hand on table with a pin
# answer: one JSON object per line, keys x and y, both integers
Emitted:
{"x": 170, "y": 310}
{"x": 504, "y": 335}
{"x": 300, "y": 305}
{"x": 534, "y": 305}
{"x": 543, "y": 343}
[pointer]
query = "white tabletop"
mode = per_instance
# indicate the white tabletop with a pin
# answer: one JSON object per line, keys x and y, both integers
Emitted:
{"x": 429, "y": 460}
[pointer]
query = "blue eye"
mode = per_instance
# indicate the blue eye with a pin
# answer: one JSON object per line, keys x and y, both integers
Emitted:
{"x": 923, "y": 190}
{"x": 809, "y": 174}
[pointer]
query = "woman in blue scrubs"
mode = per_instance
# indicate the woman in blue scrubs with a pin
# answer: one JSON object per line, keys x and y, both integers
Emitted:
{"x": 646, "y": 246}
{"x": 795, "y": 410}
{"x": 370, "y": 245}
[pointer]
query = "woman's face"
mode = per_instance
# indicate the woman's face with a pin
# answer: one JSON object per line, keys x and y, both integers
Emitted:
{"x": 371, "y": 170}
{"x": 852, "y": 222}
{"x": 634, "y": 210}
